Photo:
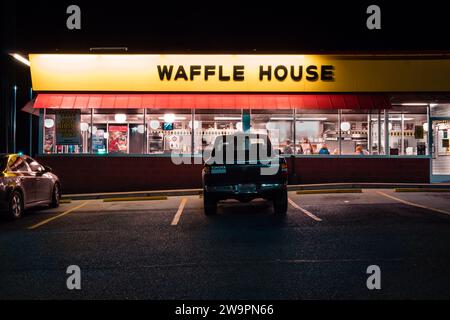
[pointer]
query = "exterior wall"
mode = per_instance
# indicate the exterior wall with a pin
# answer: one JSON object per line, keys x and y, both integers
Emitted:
{"x": 85, "y": 174}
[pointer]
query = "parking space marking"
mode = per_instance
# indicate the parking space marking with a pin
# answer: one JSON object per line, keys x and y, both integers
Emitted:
{"x": 177, "y": 216}
{"x": 413, "y": 204}
{"x": 309, "y": 214}
{"x": 37, "y": 225}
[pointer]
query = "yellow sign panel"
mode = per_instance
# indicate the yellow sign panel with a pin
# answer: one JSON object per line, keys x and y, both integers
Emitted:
{"x": 240, "y": 73}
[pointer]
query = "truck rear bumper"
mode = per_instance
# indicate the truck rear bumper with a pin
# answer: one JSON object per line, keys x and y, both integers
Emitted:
{"x": 263, "y": 190}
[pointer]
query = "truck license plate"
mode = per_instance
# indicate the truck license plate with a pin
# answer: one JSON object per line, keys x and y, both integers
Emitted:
{"x": 218, "y": 169}
{"x": 247, "y": 187}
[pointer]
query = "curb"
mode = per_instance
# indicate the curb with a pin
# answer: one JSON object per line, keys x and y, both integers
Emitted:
{"x": 327, "y": 191}
{"x": 302, "y": 187}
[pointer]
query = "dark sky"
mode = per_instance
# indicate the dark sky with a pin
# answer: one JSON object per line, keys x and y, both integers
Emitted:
{"x": 228, "y": 26}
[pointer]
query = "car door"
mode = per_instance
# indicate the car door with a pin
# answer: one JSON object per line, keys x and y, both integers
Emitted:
{"x": 25, "y": 177}
{"x": 43, "y": 181}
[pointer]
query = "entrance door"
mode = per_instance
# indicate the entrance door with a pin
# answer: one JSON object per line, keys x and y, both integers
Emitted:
{"x": 441, "y": 150}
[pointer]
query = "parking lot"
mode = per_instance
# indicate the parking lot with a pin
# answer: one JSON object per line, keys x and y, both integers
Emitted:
{"x": 168, "y": 249}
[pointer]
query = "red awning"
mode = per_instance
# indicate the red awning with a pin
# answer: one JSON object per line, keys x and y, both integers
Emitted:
{"x": 211, "y": 101}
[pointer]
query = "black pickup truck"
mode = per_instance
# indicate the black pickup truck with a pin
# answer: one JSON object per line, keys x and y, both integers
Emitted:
{"x": 243, "y": 166}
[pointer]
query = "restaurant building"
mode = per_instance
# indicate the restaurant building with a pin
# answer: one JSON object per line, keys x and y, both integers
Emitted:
{"x": 112, "y": 122}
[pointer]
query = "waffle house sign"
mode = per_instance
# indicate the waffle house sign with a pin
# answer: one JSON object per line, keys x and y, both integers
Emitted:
{"x": 240, "y": 73}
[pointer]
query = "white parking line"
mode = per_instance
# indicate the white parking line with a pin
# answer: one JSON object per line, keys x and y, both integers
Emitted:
{"x": 177, "y": 216}
{"x": 413, "y": 204}
{"x": 309, "y": 214}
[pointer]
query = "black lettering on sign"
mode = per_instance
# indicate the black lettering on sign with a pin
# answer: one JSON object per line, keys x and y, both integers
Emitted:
{"x": 297, "y": 77}
{"x": 238, "y": 73}
{"x": 195, "y": 71}
{"x": 312, "y": 74}
{"x": 181, "y": 73}
{"x": 223, "y": 77}
{"x": 280, "y": 76}
{"x": 165, "y": 72}
{"x": 209, "y": 71}
{"x": 267, "y": 73}
{"x": 327, "y": 73}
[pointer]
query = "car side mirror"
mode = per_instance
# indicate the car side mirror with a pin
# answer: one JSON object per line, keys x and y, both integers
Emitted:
{"x": 47, "y": 169}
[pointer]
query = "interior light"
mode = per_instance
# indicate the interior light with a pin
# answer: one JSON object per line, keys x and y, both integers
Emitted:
{"x": 140, "y": 128}
{"x": 282, "y": 118}
{"x": 345, "y": 126}
{"x": 18, "y": 57}
{"x": 120, "y": 117}
{"x": 170, "y": 118}
{"x": 84, "y": 127}
{"x": 154, "y": 124}
{"x": 312, "y": 119}
{"x": 94, "y": 130}
{"x": 227, "y": 118}
{"x": 49, "y": 123}
{"x": 412, "y": 104}
{"x": 425, "y": 126}
{"x": 239, "y": 126}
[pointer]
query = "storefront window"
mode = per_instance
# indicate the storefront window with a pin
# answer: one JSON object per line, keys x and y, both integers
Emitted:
{"x": 316, "y": 132}
{"x": 408, "y": 130}
{"x": 63, "y": 131}
{"x": 376, "y": 134}
{"x": 278, "y": 125}
{"x": 118, "y": 131}
{"x": 440, "y": 109}
{"x": 155, "y": 131}
{"x": 209, "y": 124}
{"x": 354, "y": 127}
{"x": 168, "y": 131}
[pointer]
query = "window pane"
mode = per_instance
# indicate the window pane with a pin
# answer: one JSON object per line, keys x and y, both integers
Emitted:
{"x": 50, "y": 133}
{"x": 408, "y": 130}
{"x": 17, "y": 164}
{"x": 278, "y": 125}
{"x": 119, "y": 131}
{"x": 169, "y": 131}
{"x": 440, "y": 110}
{"x": 355, "y": 132}
{"x": 212, "y": 123}
{"x": 317, "y": 132}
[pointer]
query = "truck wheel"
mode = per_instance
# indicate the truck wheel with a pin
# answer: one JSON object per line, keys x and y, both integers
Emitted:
{"x": 209, "y": 204}
{"x": 15, "y": 207}
{"x": 280, "y": 203}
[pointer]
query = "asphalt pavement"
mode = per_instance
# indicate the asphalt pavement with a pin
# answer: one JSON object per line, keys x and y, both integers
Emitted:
{"x": 167, "y": 249}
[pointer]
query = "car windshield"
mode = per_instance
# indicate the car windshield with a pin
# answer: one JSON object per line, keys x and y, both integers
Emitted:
{"x": 242, "y": 147}
{"x": 3, "y": 162}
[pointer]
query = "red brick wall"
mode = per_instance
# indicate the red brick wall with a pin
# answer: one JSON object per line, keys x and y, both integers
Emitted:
{"x": 84, "y": 174}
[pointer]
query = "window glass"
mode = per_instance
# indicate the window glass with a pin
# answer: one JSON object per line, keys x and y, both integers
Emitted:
{"x": 211, "y": 123}
{"x": 168, "y": 131}
{"x": 34, "y": 165}
{"x": 408, "y": 130}
{"x": 355, "y": 132}
{"x": 50, "y": 134}
{"x": 118, "y": 131}
{"x": 440, "y": 109}
{"x": 316, "y": 132}
{"x": 278, "y": 125}
{"x": 17, "y": 164}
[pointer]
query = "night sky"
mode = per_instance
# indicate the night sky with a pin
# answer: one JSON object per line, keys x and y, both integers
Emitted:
{"x": 228, "y": 26}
